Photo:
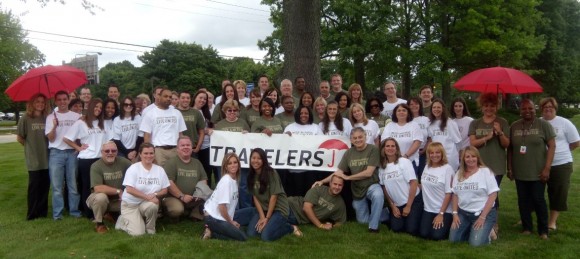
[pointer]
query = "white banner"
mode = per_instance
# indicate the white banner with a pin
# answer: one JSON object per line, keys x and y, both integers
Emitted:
{"x": 321, "y": 153}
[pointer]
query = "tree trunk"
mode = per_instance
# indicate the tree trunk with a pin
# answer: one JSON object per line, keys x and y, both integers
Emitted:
{"x": 359, "y": 71}
{"x": 301, "y": 41}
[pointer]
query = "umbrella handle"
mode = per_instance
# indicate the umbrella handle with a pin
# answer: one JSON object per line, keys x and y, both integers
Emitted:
{"x": 55, "y": 118}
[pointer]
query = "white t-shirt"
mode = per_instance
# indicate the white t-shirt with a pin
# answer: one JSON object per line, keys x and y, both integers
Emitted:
{"x": 449, "y": 138}
{"x": 109, "y": 129}
{"x": 566, "y": 133}
{"x": 279, "y": 110}
{"x": 226, "y": 192}
{"x": 65, "y": 122}
{"x": 163, "y": 125}
{"x": 94, "y": 138}
{"x": 333, "y": 131}
{"x": 405, "y": 136}
{"x": 245, "y": 101}
{"x": 463, "y": 126}
{"x": 303, "y": 130}
{"x": 435, "y": 183}
{"x": 423, "y": 122}
{"x": 388, "y": 107}
{"x": 148, "y": 182}
{"x": 217, "y": 100}
{"x": 127, "y": 130}
{"x": 396, "y": 178}
{"x": 474, "y": 191}
{"x": 372, "y": 130}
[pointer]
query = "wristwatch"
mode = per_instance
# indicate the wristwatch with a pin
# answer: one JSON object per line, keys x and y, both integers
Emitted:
{"x": 454, "y": 213}
{"x": 118, "y": 191}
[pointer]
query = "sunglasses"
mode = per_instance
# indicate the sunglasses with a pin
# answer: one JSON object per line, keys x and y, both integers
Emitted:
{"x": 109, "y": 151}
{"x": 232, "y": 111}
{"x": 374, "y": 106}
{"x": 128, "y": 104}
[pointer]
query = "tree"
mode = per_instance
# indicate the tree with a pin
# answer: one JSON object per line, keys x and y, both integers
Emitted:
{"x": 17, "y": 56}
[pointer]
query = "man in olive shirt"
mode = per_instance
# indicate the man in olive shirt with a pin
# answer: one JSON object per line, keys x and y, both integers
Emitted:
{"x": 193, "y": 121}
{"x": 287, "y": 117}
{"x": 107, "y": 184}
{"x": 184, "y": 173}
{"x": 359, "y": 165}
{"x": 321, "y": 204}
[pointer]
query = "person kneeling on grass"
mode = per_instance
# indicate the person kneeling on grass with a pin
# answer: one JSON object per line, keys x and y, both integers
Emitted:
{"x": 321, "y": 204}
{"x": 220, "y": 208}
{"x": 107, "y": 176}
{"x": 145, "y": 184}
{"x": 184, "y": 174}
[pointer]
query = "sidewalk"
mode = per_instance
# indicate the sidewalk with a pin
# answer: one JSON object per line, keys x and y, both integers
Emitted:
{"x": 7, "y": 138}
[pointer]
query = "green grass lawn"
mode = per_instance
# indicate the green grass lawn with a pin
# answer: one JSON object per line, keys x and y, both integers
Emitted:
{"x": 76, "y": 238}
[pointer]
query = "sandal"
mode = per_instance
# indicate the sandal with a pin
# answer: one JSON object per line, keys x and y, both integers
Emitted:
{"x": 297, "y": 231}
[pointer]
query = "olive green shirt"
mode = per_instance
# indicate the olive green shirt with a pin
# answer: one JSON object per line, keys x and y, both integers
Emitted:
{"x": 110, "y": 175}
{"x": 275, "y": 125}
{"x": 492, "y": 153}
{"x": 326, "y": 207}
{"x": 193, "y": 121}
{"x": 237, "y": 126}
{"x": 35, "y": 142}
{"x": 185, "y": 175}
{"x": 285, "y": 119}
{"x": 274, "y": 188}
{"x": 380, "y": 120}
{"x": 250, "y": 115}
{"x": 354, "y": 162}
{"x": 534, "y": 137}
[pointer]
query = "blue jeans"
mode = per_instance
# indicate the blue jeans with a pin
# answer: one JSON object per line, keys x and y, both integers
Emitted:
{"x": 427, "y": 231}
{"x": 223, "y": 230}
{"x": 377, "y": 198}
{"x": 465, "y": 231}
{"x": 531, "y": 198}
{"x": 276, "y": 227}
{"x": 421, "y": 166}
{"x": 245, "y": 196}
{"x": 62, "y": 164}
{"x": 410, "y": 223}
{"x": 243, "y": 216}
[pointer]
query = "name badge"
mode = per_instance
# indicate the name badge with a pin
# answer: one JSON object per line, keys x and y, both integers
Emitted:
{"x": 522, "y": 150}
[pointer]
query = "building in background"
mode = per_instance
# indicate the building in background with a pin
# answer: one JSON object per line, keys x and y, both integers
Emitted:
{"x": 89, "y": 64}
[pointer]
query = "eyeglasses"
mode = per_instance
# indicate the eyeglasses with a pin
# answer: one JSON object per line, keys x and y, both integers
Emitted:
{"x": 128, "y": 104}
{"x": 548, "y": 107}
{"x": 109, "y": 151}
{"x": 374, "y": 106}
{"x": 232, "y": 110}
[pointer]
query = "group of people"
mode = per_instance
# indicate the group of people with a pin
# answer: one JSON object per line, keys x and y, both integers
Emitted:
{"x": 414, "y": 164}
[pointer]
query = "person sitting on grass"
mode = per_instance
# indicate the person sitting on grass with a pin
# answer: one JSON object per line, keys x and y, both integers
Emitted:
{"x": 322, "y": 206}
{"x": 107, "y": 176}
{"x": 185, "y": 173}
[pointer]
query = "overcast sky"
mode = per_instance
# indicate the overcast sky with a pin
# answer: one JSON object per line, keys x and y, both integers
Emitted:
{"x": 232, "y": 27}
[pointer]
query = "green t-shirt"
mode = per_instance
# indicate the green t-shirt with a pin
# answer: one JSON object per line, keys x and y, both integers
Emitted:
{"x": 354, "y": 161}
{"x": 185, "y": 175}
{"x": 110, "y": 175}
{"x": 527, "y": 167}
{"x": 427, "y": 111}
{"x": 380, "y": 120}
{"x": 275, "y": 125}
{"x": 216, "y": 116}
{"x": 35, "y": 144}
{"x": 345, "y": 113}
{"x": 274, "y": 188}
{"x": 193, "y": 121}
{"x": 237, "y": 126}
{"x": 492, "y": 153}
{"x": 285, "y": 119}
{"x": 326, "y": 206}
{"x": 250, "y": 115}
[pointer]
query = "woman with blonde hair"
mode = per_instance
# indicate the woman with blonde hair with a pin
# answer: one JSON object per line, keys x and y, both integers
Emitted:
{"x": 358, "y": 118}
{"x": 319, "y": 109}
{"x": 436, "y": 186}
{"x": 30, "y": 134}
{"x": 356, "y": 94}
{"x": 474, "y": 193}
{"x": 240, "y": 86}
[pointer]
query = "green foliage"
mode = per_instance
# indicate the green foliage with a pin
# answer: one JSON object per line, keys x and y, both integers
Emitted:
{"x": 17, "y": 55}
{"x": 568, "y": 112}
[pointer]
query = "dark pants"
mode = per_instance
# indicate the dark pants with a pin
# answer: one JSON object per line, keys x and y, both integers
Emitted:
{"x": 498, "y": 179}
{"x": 427, "y": 231}
{"x": 421, "y": 166}
{"x": 203, "y": 156}
{"x": 84, "y": 171}
{"x": 223, "y": 230}
{"x": 411, "y": 222}
{"x": 245, "y": 196}
{"x": 531, "y": 198}
{"x": 276, "y": 227}
{"x": 38, "y": 188}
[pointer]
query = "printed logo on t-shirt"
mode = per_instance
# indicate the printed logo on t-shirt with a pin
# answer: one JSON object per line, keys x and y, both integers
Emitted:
{"x": 148, "y": 181}
{"x": 392, "y": 175}
{"x": 37, "y": 126}
{"x": 164, "y": 120}
{"x": 468, "y": 186}
{"x": 483, "y": 132}
{"x": 519, "y": 132}
{"x": 189, "y": 118}
{"x": 438, "y": 132}
{"x": 430, "y": 178}
{"x": 66, "y": 123}
{"x": 406, "y": 134}
{"x": 187, "y": 173}
{"x": 358, "y": 162}
{"x": 129, "y": 127}
{"x": 110, "y": 176}
{"x": 325, "y": 204}
{"x": 95, "y": 131}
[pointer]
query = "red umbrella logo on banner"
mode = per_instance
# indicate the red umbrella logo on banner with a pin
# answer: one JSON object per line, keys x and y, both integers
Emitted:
{"x": 334, "y": 145}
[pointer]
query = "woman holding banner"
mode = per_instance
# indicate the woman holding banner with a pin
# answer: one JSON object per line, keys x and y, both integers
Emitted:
{"x": 267, "y": 123}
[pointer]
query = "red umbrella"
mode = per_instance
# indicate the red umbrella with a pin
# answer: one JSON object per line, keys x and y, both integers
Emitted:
{"x": 498, "y": 80}
{"x": 46, "y": 80}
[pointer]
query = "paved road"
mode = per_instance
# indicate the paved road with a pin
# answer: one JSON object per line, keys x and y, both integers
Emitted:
{"x": 7, "y": 138}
